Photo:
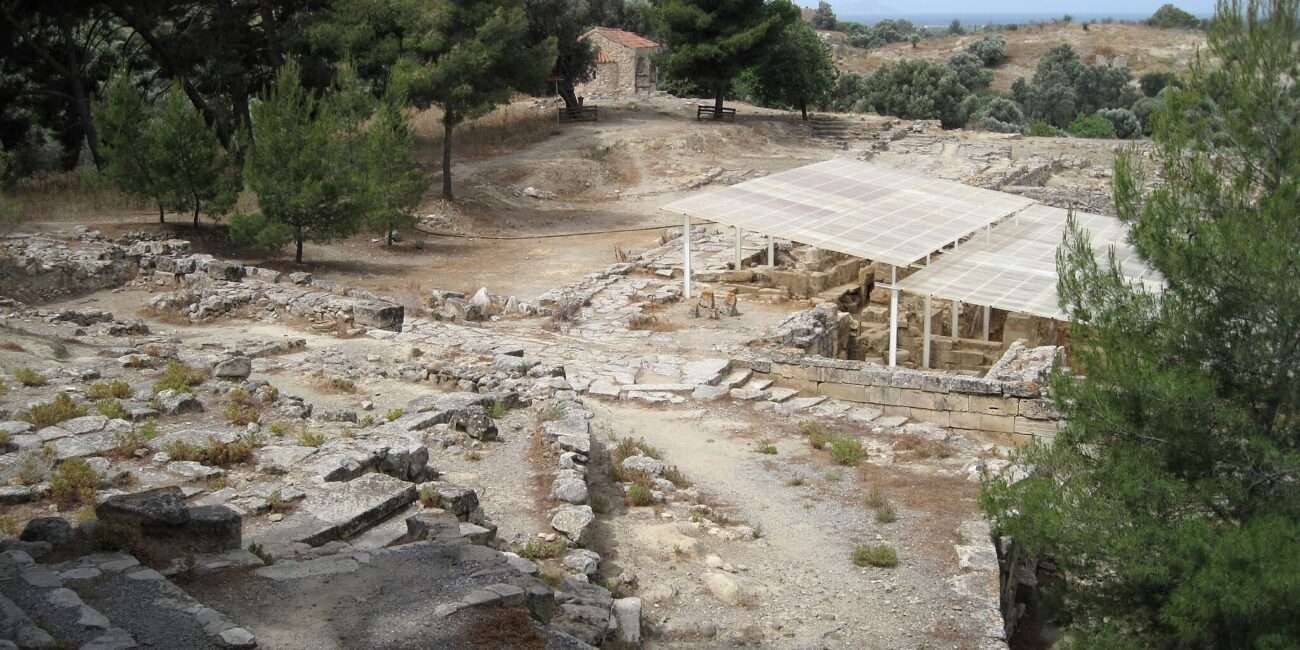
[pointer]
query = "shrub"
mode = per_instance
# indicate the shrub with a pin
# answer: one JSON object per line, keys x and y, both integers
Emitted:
{"x": 394, "y": 414}
{"x": 29, "y": 377}
{"x": 497, "y": 410}
{"x": 639, "y": 495}
{"x": 917, "y": 89}
{"x": 112, "y": 409}
{"x": 9, "y": 526}
{"x": 970, "y": 71}
{"x": 886, "y": 514}
{"x": 847, "y": 451}
{"x": 990, "y": 50}
{"x": 1123, "y": 121}
{"x": 1170, "y": 17}
{"x": 255, "y": 231}
{"x": 309, "y": 438}
{"x": 129, "y": 441}
{"x": 241, "y": 408}
{"x": 998, "y": 114}
{"x": 4, "y": 388}
{"x": 180, "y": 378}
{"x": 1152, "y": 83}
{"x": 918, "y": 447}
{"x": 33, "y": 465}
{"x": 279, "y": 428}
{"x": 765, "y": 446}
{"x": 181, "y": 450}
{"x": 429, "y": 496}
{"x": 539, "y": 550}
{"x": 628, "y": 447}
{"x": 338, "y": 385}
{"x": 105, "y": 389}
{"x": 225, "y": 454}
{"x": 875, "y": 498}
{"x": 52, "y": 413}
{"x": 1041, "y": 129}
{"x": 877, "y": 555}
{"x": 818, "y": 436}
{"x": 73, "y": 483}
{"x": 276, "y": 503}
{"x": 1145, "y": 110}
{"x": 676, "y": 477}
{"x": 1092, "y": 126}
{"x": 216, "y": 453}
{"x": 4, "y": 439}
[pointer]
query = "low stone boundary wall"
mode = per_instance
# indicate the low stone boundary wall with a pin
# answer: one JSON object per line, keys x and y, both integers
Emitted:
{"x": 1011, "y": 400}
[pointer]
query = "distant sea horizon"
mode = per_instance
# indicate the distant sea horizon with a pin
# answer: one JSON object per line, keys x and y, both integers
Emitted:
{"x": 976, "y": 18}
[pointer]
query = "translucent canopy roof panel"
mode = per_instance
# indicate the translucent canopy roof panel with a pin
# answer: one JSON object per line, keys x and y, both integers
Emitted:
{"x": 856, "y": 208}
{"x": 1014, "y": 267}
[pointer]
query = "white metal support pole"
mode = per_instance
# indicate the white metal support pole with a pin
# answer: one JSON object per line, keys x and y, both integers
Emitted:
{"x": 925, "y": 351}
{"x": 740, "y": 236}
{"x": 771, "y": 250}
{"x": 686, "y": 256}
{"x": 987, "y": 309}
{"x": 956, "y": 318}
{"x": 893, "y": 315}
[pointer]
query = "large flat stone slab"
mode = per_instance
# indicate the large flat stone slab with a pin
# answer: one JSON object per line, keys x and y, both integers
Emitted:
{"x": 341, "y": 510}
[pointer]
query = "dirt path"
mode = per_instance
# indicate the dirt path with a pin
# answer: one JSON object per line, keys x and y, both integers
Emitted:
{"x": 802, "y": 590}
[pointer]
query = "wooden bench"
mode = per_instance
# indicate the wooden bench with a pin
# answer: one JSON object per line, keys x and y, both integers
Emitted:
{"x": 701, "y": 110}
{"x": 579, "y": 114}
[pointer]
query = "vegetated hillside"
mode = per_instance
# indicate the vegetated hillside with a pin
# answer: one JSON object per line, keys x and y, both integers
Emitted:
{"x": 1146, "y": 49}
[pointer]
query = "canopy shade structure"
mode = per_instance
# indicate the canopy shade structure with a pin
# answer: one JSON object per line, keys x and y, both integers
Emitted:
{"x": 856, "y": 208}
{"x": 1014, "y": 268}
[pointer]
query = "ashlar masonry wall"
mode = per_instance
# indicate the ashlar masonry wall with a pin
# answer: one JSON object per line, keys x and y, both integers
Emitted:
{"x": 1012, "y": 403}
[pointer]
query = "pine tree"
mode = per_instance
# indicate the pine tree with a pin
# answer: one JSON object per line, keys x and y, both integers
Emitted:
{"x": 711, "y": 41}
{"x": 392, "y": 183}
{"x": 299, "y": 165}
{"x": 565, "y": 21}
{"x": 798, "y": 72}
{"x": 1171, "y": 502}
{"x": 474, "y": 55}
{"x": 126, "y": 141}
{"x": 193, "y": 170}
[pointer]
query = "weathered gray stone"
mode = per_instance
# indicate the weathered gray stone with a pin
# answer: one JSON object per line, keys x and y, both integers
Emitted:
{"x": 171, "y": 402}
{"x": 84, "y": 425}
{"x": 572, "y": 522}
{"x": 341, "y": 511}
{"x": 459, "y": 501}
{"x": 643, "y": 464}
{"x": 709, "y": 393}
{"x": 233, "y": 368}
{"x": 476, "y": 423}
{"x": 213, "y": 529}
{"x": 12, "y": 495}
{"x": 627, "y": 611}
{"x": 282, "y": 459}
{"x": 193, "y": 471}
{"x": 570, "y": 490}
{"x": 56, "y": 531}
{"x": 432, "y": 524}
{"x": 581, "y": 560}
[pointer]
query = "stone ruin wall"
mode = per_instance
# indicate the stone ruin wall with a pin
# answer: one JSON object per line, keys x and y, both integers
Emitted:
{"x": 1011, "y": 399}
{"x": 40, "y": 269}
{"x": 37, "y": 269}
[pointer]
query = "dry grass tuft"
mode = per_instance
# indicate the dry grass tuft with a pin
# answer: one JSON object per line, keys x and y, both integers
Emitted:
{"x": 918, "y": 448}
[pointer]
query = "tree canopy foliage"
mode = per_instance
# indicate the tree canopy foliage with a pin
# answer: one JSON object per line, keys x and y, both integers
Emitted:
{"x": 798, "y": 72}
{"x": 473, "y": 56}
{"x": 1171, "y": 501}
{"x": 711, "y": 41}
{"x": 1170, "y": 17}
{"x": 824, "y": 18}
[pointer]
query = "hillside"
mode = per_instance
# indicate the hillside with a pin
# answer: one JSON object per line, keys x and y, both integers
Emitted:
{"x": 1145, "y": 49}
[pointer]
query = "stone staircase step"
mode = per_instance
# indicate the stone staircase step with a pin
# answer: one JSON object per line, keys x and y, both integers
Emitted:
{"x": 758, "y": 384}
{"x": 779, "y": 395}
{"x": 340, "y": 513}
{"x": 388, "y": 532}
{"x": 423, "y": 594}
{"x": 737, "y": 378}
{"x": 39, "y": 607}
{"x": 153, "y": 610}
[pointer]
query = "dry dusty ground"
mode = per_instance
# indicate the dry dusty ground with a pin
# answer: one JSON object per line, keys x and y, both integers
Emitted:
{"x": 1146, "y": 49}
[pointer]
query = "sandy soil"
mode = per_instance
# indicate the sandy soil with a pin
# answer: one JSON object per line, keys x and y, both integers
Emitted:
{"x": 800, "y": 588}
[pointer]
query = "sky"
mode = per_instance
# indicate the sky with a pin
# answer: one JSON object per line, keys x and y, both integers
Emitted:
{"x": 879, "y": 7}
